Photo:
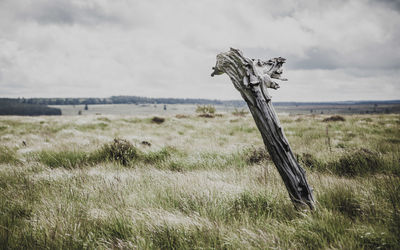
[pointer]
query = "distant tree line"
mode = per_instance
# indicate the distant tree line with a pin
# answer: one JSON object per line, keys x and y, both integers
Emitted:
{"x": 14, "y": 107}
{"x": 149, "y": 100}
{"x": 125, "y": 100}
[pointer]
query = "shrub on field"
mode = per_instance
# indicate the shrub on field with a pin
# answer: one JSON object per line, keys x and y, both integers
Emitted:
{"x": 119, "y": 150}
{"x": 124, "y": 152}
{"x": 257, "y": 155}
{"x": 334, "y": 118}
{"x": 311, "y": 161}
{"x": 146, "y": 143}
{"x": 207, "y": 115}
{"x": 181, "y": 116}
{"x": 205, "y": 109}
{"x": 157, "y": 120}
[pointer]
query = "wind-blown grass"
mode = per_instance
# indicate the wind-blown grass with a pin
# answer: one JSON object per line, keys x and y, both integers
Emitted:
{"x": 358, "y": 162}
{"x": 212, "y": 186}
{"x": 123, "y": 152}
{"x": 8, "y": 156}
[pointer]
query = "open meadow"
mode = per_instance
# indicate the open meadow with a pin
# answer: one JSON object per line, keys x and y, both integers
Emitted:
{"x": 190, "y": 182}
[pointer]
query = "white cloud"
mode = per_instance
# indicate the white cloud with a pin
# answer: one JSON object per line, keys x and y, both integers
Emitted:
{"x": 337, "y": 50}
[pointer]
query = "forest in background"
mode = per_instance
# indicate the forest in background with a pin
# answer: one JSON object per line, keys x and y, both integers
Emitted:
{"x": 15, "y": 107}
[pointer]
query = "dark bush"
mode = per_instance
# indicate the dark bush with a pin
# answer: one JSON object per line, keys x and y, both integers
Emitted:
{"x": 157, "y": 120}
{"x": 310, "y": 161}
{"x": 257, "y": 155}
{"x": 207, "y": 115}
{"x": 180, "y": 116}
{"x": 146, "y": 143}
{"x": 334, "y": 118}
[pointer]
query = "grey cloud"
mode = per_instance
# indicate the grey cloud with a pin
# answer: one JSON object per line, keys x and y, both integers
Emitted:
{"x": 316, "y": 58}
{"x": 65, "y": 12}
{"x": 376, "y": 57}
{"x": 167, "y": 48}
{"x": 331, "y": 59}
{"x": 391, "y": 4}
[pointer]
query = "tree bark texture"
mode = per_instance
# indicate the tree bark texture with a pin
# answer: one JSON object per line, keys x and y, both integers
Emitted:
{"x": 252, "y": 78}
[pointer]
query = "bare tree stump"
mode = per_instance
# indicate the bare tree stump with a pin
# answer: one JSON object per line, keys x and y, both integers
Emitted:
{"x": 252, "y": 78}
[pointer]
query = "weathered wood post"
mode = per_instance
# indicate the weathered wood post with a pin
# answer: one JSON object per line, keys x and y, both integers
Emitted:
{"x": 252, "y": 78}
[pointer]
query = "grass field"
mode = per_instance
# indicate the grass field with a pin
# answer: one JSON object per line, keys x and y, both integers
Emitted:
{"x": 173, "y": 109}
{"x": 135, "y": 109}
{"x": 114, "y": 181}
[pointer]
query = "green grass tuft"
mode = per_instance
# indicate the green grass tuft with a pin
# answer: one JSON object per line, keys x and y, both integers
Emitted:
{"x": 261, "y": 205}
{"x": 311, "y": 162}
{"x": 341, "y": 199}
{"x": 157, "y": 157}
{"x": 358, "y": 163}
{"x": 63, "y": 159}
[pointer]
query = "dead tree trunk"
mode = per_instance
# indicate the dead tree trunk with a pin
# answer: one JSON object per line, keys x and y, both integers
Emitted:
{"x": 252, "y": 78}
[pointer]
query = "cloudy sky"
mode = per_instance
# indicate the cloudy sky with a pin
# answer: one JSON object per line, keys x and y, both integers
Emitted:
{"x": 335, "y": 50}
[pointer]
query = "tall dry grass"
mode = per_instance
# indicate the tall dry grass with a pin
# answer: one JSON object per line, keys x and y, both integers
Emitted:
{"x": 203, "y": 183}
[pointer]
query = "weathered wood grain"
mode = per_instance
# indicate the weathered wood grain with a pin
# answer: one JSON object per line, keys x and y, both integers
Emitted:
{"x": 252, "y": 78}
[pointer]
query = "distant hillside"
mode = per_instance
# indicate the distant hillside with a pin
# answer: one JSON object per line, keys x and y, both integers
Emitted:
{"x": 14, "y": 107}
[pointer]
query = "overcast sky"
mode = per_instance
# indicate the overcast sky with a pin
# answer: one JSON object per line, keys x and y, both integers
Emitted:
{"x": 335, "y": 50}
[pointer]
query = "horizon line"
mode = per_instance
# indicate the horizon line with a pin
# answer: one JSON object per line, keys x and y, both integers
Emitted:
{"x": 208, "y": 99}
